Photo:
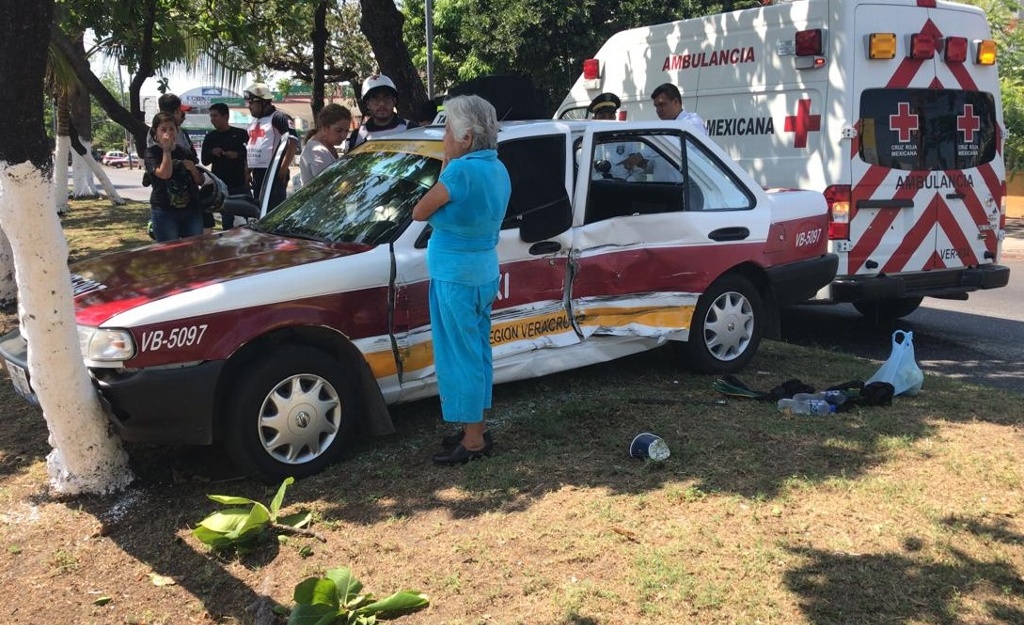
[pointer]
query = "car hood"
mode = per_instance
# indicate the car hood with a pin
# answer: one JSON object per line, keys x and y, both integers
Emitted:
{"x": 110, "y": 284}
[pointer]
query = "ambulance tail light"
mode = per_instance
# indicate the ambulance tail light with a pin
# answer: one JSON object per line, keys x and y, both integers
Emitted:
{"x": 1002, "y": 207}
{"x": 922, "y": 46}
{"x": 591, "y": 74}
{"x": 838, "y": 198}
{"x": 809, "y": 45}
{"x": 809, "y": 42}
{"x": 955, "y": 50}
{"x": 882, "y": 46}
{"x": 985, "y": 52}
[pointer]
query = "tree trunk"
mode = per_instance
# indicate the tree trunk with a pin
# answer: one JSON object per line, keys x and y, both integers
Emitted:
{"x": 132, "y": 120}
{"x": 62, "y": 112}
{"x": 316, "y": 100}
{"x": 84, "y": 185}
{"x": 8, "y": 288}
{"x": 86, "y": 457}
{"x": 382, "y": 23}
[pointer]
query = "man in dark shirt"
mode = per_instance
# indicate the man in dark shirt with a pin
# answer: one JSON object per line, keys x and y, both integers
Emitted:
{"x": 224, "y": 151}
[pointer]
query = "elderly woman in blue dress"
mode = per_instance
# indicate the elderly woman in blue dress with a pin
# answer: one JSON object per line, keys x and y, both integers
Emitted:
{"x": 465, "y": 208}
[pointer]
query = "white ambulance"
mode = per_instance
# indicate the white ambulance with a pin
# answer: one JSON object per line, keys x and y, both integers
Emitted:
{"x": 890, "y": 107}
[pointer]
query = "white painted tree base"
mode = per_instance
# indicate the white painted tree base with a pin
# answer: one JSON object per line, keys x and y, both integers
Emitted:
{"x": 87, "y": 457}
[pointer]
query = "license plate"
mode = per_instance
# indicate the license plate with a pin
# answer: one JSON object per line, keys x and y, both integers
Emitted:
{"x": 19, "y": 377}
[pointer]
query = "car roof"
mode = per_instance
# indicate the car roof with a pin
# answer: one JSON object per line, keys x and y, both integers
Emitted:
{"x": 507, "y": 130}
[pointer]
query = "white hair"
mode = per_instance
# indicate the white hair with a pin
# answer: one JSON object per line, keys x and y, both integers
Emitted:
{"x": 466, "y": 113}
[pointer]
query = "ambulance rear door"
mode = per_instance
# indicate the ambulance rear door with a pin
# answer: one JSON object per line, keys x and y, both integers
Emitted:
{"x": 926, "y": 173}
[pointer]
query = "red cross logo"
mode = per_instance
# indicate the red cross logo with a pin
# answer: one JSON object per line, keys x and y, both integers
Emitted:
{"x": 968, "y": 123}
{"x": 802, "y": 123}
{"x": 903, "y": 122}
{"x": 256, "y": 133}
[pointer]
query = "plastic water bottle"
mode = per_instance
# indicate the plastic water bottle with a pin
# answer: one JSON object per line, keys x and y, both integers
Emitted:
{"x": 833, "y": 397}
{"x": 806, "y": 406}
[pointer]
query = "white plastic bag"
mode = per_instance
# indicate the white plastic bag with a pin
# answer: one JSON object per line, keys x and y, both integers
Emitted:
{"x": 901, "y": 369}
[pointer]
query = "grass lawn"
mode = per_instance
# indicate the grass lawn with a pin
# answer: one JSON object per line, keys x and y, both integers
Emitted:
{"x": 911, "y": 513}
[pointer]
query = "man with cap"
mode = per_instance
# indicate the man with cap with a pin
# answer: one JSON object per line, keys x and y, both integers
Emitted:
{"x": 378, "y": 102}
{"x": 604, "y": 106}
{"x": 170, "y": 103}
{"x": 266, "y": 131}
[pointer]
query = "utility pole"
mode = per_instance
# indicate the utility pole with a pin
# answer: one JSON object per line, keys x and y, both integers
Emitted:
{"x": 428, "y": 8}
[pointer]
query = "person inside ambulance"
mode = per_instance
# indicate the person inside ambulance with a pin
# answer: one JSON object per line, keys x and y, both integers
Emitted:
{"x": 380, "y": 96}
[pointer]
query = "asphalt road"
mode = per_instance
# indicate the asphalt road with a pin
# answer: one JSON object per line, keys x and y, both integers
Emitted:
{"x": 980, "y": 341}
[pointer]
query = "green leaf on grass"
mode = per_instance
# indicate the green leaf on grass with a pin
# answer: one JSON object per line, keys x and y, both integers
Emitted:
{"x": 299, "y": 519}
{"x": 348, "y": 586}
{"x": 336, "y": 598}
{"x": 275, "y": 504}
{"x": 229, "y": 500}
{"x": 401, "y": 601}
{"x": 317, "y": 591}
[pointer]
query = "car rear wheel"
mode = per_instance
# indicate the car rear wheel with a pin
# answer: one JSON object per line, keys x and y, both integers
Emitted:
{"x": 887, "y": 310}
{"x": 726, "y": 328}
{"x": 291, "y": 414}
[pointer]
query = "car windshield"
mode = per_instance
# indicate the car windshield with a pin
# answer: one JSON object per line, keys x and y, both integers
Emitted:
{"x": 366, "y": 197}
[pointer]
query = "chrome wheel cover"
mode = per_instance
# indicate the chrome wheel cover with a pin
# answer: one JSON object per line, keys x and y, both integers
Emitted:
{"x": 299, "y": 419}
{"x": 729, "y": 326}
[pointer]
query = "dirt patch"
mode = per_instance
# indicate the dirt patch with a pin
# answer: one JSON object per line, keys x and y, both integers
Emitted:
{"x": 900, "y": 514}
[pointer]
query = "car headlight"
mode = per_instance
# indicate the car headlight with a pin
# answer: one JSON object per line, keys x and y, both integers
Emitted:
{"x": 105, "y": 344}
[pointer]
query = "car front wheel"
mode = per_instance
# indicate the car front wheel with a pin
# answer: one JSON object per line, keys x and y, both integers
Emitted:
{"x": 291, "y": 414}
{"x": 726, "y": 328}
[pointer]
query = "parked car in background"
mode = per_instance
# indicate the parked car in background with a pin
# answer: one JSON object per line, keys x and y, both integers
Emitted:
{"x": 282, "y": 338}
{"x": 115, "y": 158}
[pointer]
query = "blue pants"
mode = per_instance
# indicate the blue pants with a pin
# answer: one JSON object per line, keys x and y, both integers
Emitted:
{"x": 171, "y": 224}
{"x": 460, "y": 321}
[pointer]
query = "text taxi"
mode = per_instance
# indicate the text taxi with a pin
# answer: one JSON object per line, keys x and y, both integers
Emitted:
{"x": 284, "y": 337}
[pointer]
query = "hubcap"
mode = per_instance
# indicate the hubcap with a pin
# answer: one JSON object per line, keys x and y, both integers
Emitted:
{"x": 729, "y": 326}
{"x": 299, "y": 419}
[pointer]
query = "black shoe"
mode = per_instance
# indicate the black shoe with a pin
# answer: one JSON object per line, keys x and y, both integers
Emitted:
{"x": 452, "y": 440}
{"x": 461, "y": 455}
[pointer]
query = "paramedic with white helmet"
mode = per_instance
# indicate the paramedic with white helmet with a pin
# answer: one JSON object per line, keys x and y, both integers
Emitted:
{"x": 267, "y": 129}
{"x": 379, "y": 99}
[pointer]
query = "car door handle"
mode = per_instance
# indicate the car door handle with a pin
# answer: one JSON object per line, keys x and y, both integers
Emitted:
{"x": 955, "y": 196}
{"x": 729, "y": 234}
{"x": 545, "y": 247}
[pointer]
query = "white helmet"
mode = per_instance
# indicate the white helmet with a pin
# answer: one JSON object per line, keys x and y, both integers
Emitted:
{"x": 378, "y": 81}
{"x": 258, "y": 91}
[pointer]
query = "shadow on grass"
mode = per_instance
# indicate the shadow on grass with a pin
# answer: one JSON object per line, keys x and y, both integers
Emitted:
{"x": 839, "y": 589}
{"x": 575, "y": 428}
{"x": 967, "y": 356}
{"x": 145, "y": 522}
